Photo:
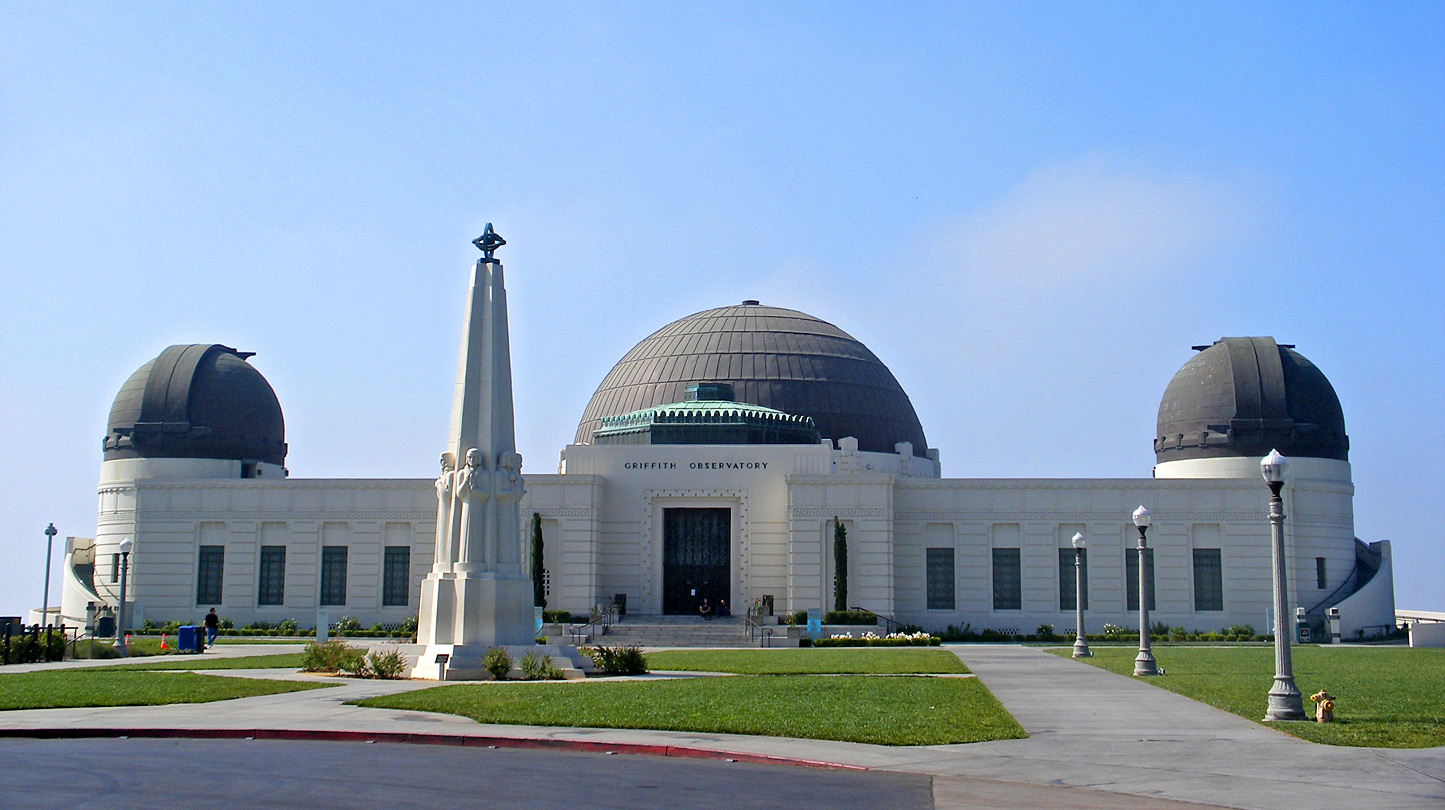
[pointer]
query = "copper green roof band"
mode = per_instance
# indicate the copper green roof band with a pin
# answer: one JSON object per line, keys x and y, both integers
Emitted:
{"x": 703, "y": 412}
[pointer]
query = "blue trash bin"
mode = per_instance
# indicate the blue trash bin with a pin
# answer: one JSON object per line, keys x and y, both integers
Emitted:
{"x": 189, "y": 639}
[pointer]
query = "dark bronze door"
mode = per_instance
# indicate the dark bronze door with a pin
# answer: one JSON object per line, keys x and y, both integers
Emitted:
{"x": 696, "y": 559}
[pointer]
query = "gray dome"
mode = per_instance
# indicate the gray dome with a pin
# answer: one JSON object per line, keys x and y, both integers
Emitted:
{"x": 776, "y": 358}
{"x": 1245, "y": 397}
{"x": 198, "y": 401}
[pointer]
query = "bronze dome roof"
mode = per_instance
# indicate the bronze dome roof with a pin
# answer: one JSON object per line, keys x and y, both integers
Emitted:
{"x": 773, "y": 357}
{"x": 1245, "y": 396}
{"x": 197, "y": 401}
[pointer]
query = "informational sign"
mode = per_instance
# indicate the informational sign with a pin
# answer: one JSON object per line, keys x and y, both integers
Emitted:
{"x": 815, "y": 622}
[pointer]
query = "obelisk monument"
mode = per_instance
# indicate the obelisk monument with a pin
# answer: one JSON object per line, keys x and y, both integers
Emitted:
{"x": 479, "y": 591}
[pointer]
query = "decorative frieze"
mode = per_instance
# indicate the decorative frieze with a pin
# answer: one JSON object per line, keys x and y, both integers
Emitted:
{"x": 811, "y": 512}
{"x": 129, "y": 515}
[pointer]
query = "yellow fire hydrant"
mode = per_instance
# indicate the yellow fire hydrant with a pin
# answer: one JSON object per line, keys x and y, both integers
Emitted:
{"x": 1324, "y": 706}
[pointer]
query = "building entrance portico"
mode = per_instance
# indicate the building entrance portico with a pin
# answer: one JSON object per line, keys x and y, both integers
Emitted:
{"x": 696, "y": 558}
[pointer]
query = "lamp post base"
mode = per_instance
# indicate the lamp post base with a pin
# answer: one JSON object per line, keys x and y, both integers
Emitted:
{"x": 1285, "y": 702}
{"x": 1144, "y": 664}
{"x": 1081, "y": 649}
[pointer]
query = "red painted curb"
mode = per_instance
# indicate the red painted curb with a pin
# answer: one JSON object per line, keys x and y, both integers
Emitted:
{"x": 418, "y": 738}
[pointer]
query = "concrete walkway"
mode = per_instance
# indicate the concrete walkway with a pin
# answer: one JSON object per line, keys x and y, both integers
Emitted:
{"x": 1092, "y": 728}
{"x": 1097, "y": 740}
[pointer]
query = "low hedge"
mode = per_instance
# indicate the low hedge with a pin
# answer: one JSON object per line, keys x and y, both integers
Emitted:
{"x": 864, "y": 618}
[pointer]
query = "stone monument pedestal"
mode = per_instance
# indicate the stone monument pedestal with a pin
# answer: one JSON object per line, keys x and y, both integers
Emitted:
{"x": 464, "y": 662}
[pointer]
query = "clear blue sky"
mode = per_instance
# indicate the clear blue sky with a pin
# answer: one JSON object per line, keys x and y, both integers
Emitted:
{"x": 1030, "y": 212}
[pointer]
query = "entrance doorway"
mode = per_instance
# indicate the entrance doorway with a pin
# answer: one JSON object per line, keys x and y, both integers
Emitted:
{"x": 696, "y": 559}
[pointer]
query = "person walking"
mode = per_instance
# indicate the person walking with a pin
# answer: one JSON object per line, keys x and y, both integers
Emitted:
{"x": 213, "y": 626}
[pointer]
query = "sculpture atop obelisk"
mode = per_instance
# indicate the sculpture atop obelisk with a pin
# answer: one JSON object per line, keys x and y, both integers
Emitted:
{"x": 479, "y": 591}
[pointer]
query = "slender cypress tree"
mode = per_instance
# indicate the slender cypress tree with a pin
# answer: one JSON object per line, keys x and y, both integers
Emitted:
{"x": 539, "y": 590}
{"x": 840, "y": 565}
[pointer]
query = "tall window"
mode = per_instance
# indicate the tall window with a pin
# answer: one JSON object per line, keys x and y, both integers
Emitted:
{"x": 940, "y": 578}
{"x": 208, "y": 575}
{"x": 1322, "y": 581}
{"x": 1007, "y": 585}
{"x": 272, "y": 590}
{"x": 396, "y": 576}
{"x": 1066, "y": 577}
{"x": 115, "y": 568}
{"x": 1208, "y": 579}
{"x": 1131, "y": 574}
{"x": 333, "y": 575}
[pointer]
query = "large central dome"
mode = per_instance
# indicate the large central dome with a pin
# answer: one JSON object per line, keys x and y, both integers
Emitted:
{"x": 773, "y": 357}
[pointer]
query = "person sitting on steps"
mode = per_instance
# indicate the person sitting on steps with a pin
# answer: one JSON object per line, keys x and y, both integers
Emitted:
{"x": 706, "y": 610}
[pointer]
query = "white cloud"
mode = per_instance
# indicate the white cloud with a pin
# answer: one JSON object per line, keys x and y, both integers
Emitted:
{"x": 1099, "y": 219}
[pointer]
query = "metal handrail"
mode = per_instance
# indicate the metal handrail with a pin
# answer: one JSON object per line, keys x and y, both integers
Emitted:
{"x": 763, "y": 634}
{"x": 888, "y": 623}
{"x": 598, "y": 622}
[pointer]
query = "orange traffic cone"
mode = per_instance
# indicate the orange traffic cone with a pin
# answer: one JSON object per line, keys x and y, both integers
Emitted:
{"x": 163, "y": 642}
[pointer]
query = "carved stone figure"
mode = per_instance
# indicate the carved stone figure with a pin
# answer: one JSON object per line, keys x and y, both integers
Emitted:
{"x": 509, "y": 477}
{"x": 507, "y": 550}
{"x": 444, "y": 484}
{"x": 472, "y": 492}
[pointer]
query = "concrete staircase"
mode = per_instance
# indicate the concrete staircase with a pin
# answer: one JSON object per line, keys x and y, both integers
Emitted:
{"x": 677, "y": 631}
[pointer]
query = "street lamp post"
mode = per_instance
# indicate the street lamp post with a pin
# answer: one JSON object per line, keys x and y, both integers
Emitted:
{"x": 120, "y": 645}
{"x": 1081, "y": 645}
{"x": 1144, "y": 661}
{"x": 1284, "y": 697}
{"x": 50, "y": 533}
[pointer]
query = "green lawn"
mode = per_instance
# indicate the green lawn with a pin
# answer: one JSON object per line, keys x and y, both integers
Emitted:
{"x": 277, "y": 661}
{"x": 880, "y": 710}
{"x": 822, "y": 661}
{"x": 102, "y": 686}
{"x": 1384, "y": 697}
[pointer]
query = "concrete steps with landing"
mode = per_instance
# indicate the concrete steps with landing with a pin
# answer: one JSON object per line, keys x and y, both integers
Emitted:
{"x": 677, "y": 631}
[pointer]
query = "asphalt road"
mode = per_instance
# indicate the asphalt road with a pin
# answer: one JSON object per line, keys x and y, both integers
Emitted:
{"x": 134, "y": 773}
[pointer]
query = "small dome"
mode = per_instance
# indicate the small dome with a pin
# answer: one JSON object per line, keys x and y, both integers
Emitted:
{"x": 776, "y": 358}
{"x": 1245, "y": 397}
{"x": 197, "y": 401}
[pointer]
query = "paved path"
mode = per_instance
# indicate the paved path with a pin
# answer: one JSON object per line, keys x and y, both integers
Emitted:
{"x": 1097, "y": 740}
{"x": 1092, "y": 728}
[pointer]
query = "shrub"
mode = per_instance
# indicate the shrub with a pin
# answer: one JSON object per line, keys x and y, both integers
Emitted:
{"x": 1244, "y": 631}
{"x": 387, "y": 665}
{"x": 27, "y": 650}
{"x": 408, "y": 626}
{"x": 346, "y": 623}
{"x": 955, "y": 633}
{"x": 864, "y": 617}
{"x": 333, "y": 656}
{"x": 800, "y": 618}
{"x": 627, "y": 660}
{"x": 353, "y": 663}
{"x": 287, "y": 626}
{"x": 498, "y": 662}
{"x": 538, "y": 666}
{"x": 95, "y": 648}
{"x": 558, "y": 616}
{"x": 1045, "y": 632}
